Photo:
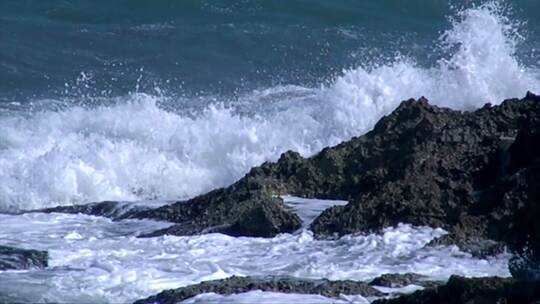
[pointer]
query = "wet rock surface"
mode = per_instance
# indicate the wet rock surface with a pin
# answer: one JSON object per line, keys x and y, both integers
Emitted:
{"x": 473, "y": 291}
{"x": 235, "y": 211}
{"x": 235, "y": 284}
{"x": 456, "y": 170}
{"x": 17, "y": 258}
{"x": 397, "y": 280}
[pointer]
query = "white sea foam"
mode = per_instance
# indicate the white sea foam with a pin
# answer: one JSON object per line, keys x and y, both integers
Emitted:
{"x": 93, "y": 259}
{"x": 132, "y": 148}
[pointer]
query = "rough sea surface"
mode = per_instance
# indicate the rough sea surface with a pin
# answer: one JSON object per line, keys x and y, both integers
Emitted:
{"x": 163, "y": 100}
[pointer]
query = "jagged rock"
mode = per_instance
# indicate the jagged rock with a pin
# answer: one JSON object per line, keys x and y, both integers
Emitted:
{"x": 235, "y": 284}
{"x": 473, "y": 291}
{"x": 16, "y": 258}
{"x": 396, "y": 280}
{"x": 424, "y": 165}
{"x": 532, "y": 96}
{"x": 467, "y": 172}
{"x": 447, "y": 169}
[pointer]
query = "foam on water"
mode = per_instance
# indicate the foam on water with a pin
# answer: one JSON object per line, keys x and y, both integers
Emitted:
{"x": 133, "y": 147}
{"x": 93, "y": 259}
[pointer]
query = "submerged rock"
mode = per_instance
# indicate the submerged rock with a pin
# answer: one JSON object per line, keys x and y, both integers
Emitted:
{"x": 477, "y": 246}
{"x": 473, "y": 291}
{"x": 16, "y": 258}
{"x": 397, "y": 280}
{"x": 235, "y": 284}
{"x": 111, "y": 209}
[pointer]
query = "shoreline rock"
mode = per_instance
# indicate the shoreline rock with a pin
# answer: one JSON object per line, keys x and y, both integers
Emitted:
{"x": 422, "y": 165}
{"x": 235, "y": 211}
{"x": 235, "y": 284}
{"x": 469, "y": 173}
{"x": 12, "y": 258}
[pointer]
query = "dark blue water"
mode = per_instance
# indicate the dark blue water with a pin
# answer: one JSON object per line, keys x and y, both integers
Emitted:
{"x": 214, "y": 47}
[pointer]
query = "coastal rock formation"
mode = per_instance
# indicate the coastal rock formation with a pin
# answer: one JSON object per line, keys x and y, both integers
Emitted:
{"x": 473, "y": 291}
{"x": 16, "y": 258}
{"x": 235, "y": 284}
{"x": 425, "y": 164}
{"x": 422, "y": 164}
{"x": 474, "y": 174}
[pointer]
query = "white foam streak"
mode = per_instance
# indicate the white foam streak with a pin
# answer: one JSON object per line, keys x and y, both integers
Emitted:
{"x": 133, "y": 149}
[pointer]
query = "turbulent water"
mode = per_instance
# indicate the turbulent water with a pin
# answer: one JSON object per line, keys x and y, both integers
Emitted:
{"x": 96, "y": 260}
{"x": 133, "y": 100}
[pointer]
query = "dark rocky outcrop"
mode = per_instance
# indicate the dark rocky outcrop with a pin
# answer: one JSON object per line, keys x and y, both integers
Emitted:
{"x": 475, "y": 244}
{"x": 16, "y": 258}
{"x": 396, "y": 280}
{"x": 426, "y": 165}
{"x": 471, "y": 173}
{"x": 237, "y": 211}
{"x": 421, "y": 164}
{"x": 280, "y": 284}
{"x": 473, "y": 291}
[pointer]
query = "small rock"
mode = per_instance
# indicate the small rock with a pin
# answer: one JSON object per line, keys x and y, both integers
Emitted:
{"x": 16, "y": 258}
{"x": 397, "y": 280}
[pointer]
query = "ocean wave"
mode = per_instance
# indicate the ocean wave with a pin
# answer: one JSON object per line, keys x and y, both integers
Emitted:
{"x": 134, "y": 147}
